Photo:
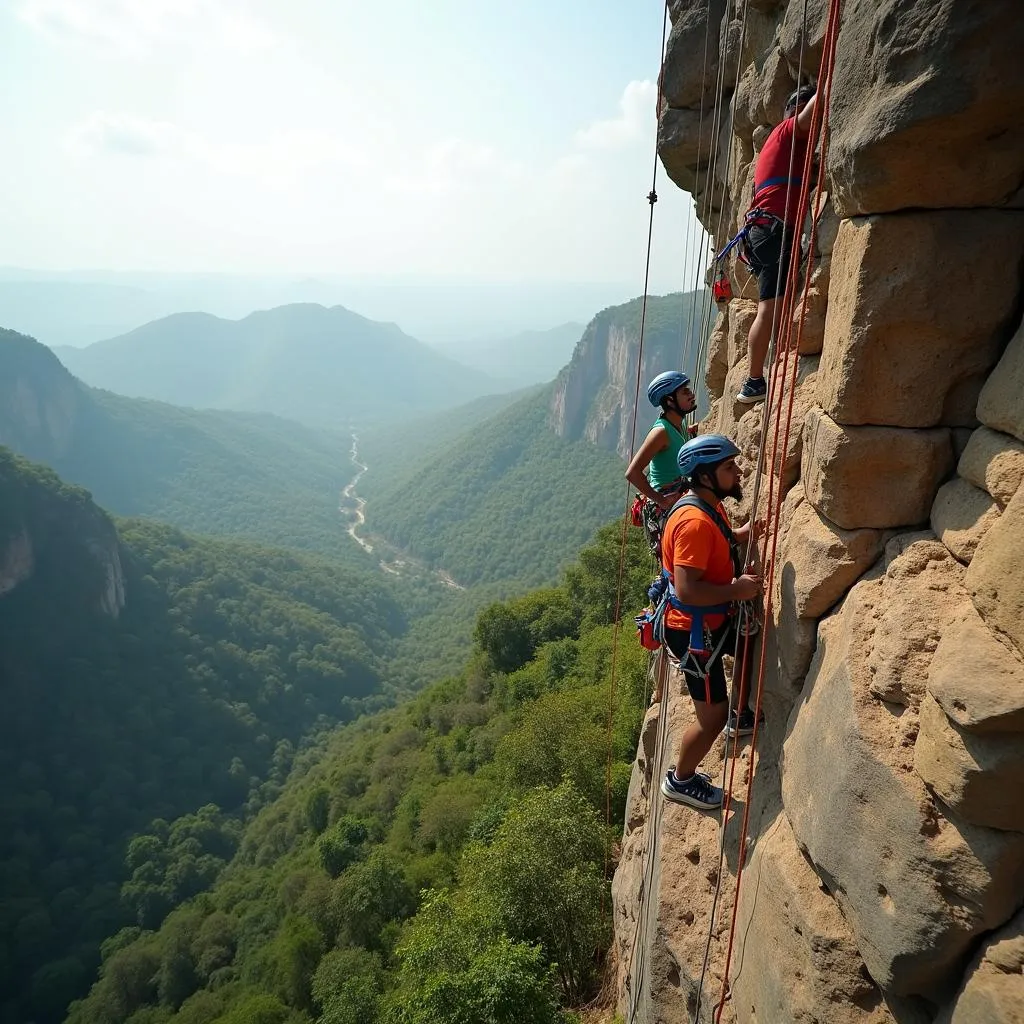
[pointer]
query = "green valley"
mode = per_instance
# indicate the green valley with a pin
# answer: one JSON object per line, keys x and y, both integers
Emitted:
{"x": 440, "y": 863}
{"x": 236, "y": 474}
{"x": 506, "y": 501}
{"x": 224, "y": 659}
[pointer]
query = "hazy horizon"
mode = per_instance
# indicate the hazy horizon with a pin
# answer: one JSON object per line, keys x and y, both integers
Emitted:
{"x": 391, "y": 159}
{"x": 79, "y": 309}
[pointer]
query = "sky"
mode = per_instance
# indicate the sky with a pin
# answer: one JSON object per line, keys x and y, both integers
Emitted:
{"x": 412, "y": 139}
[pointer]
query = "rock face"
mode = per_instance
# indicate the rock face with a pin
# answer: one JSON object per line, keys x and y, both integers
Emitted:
{"x": 883, "y": 872}
{"x": 593, "y": 396}
{"x": 994, "y": 984}
{"x": 43, "y": 520}
{"x": 16, "y": 561}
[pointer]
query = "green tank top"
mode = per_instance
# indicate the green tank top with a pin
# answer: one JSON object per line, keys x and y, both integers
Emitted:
{"x": 664, "y": 467}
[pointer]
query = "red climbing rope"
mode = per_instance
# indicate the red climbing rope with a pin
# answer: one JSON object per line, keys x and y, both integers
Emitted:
{"x": 778, "y": 456}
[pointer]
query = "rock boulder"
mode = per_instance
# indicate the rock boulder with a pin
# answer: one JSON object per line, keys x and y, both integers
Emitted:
{"x": 978, "y": 775}
{"x": 876, "y": 477}
{"x": 994, "y": 462}
{"x": 995, "y": 577}
{"x": 902, "y": 347}
{"x": 925, "y": 98}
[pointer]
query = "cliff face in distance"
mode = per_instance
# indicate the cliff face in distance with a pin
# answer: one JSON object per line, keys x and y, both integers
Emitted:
{"x": 44, "y": 523}
{"x": 884, "y": 871}
{"x": 593, "y": 395}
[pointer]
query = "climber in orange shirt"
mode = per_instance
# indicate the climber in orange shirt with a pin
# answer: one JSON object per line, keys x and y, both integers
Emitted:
{"x": 699, "y": 626}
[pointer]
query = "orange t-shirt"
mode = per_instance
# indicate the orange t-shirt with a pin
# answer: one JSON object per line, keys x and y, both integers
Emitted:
{"x": 692, "y": 539}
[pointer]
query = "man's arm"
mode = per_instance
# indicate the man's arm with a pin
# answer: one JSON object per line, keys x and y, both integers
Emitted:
{"x": 803, "y": 119}
{"x": 656, "y": 441}
{"x": 691, "y": 588}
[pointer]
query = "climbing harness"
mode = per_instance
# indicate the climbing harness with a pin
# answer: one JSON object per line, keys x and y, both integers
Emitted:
{"x": 701, "y": 654}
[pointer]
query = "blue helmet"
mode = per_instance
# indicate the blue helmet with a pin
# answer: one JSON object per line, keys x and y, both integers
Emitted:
{"x": 665, "y": 384}
{"x": 706, "y": 450}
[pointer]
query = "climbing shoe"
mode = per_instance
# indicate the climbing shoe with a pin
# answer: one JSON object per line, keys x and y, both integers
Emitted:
{"x": 696, "y": 791}
{"x": 753, "y": 391}
{"x": 743, "y": 723}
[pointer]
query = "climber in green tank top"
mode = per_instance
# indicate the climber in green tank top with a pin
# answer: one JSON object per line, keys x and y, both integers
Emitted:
{"x": 661, "y": 483}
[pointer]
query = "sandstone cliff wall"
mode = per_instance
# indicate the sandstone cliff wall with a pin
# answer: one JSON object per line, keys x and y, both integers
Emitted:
{"x": 885, "y": 861}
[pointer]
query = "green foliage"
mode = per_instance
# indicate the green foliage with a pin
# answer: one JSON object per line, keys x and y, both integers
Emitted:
{"x": 370, "y": 896}
{"x": 486, "y": 791}
{"x": 509, "y": 501}
{"x": 318, "y": 807}
{"x": 457, "y": 970}
{"x": 542, "y": 880}
{"x": 171, "y": 863}
{"x": 342, "y": 844}
{"x": 509, "y": 632}
{"x": 348, "y": 986}
{"x": 294, "y": 955}
{"x": 224, "y": 660}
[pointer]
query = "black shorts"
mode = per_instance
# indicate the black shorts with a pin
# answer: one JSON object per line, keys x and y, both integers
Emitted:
{"x": 713, "y": 689}
{"x": 769, "y": 251}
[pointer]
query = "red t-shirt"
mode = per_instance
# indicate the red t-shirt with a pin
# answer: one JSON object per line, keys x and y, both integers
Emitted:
{"x": 693, "y": 540}
{"x": 773, "y": 162}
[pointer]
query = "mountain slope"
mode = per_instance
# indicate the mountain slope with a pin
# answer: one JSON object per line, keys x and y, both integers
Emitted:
{"x": 530, "y": 357}
{"x": 428, "y": 865}
{"x": 509, "y": 500}
{"x": 303, "y": 361}
{"x": 213, "y": 472}
{"x": 146, "y": 674}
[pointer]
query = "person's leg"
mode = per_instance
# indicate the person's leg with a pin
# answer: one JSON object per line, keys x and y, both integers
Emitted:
{"x": 710, "y": 703}
{"x": 773, "y": 250}
{"x": 741, "y": 720}
{"x": 759, "y": 337}
{"x": 698, "y": 738}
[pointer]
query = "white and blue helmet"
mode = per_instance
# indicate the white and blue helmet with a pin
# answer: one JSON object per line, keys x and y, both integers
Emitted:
{"x": 666, "y": 384}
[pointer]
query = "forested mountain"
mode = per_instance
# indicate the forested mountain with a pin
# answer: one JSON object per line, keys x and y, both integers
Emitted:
{"x": 235, "y": 474}
{"x": 146, "y": 674}
{"x": 508, "y": 500}
{"x": 306, "y": 362}
{"x": 393, "y": 450}
{"x": 444, "y": 862}
{"x": 530, "y": 357}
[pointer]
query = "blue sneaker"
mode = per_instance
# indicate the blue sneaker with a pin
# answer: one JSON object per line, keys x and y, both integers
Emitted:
{"x": 743, "y": 723}
{"x": 696, "y": 791}
{"x": 753, "y": 391}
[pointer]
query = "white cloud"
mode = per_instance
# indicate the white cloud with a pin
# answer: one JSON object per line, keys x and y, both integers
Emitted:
{"x": 636, "y": 115}
{"x": 128, "y": 135}
{"x": 275, "y": 159}
{"x": 135, "y": 28}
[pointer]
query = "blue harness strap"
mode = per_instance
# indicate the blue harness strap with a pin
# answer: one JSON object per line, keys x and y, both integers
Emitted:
{"x": 756, "y": 216}
{"x": 671, "y": 599}
{"x": 768, "y": 183}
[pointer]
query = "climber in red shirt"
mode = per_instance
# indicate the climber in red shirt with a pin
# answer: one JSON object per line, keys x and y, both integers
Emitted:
{"x": 769, "y": 242}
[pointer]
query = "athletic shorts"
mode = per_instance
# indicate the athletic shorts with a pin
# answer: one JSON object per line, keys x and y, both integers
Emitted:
{"x": 769, "y": 251}
{"x": 713, "y": 689}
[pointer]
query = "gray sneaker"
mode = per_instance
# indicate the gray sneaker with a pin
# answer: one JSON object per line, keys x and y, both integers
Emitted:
{"x": 696, "y": 791}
